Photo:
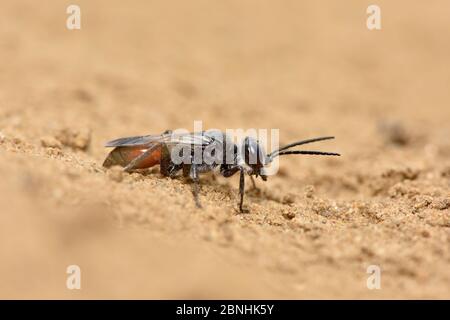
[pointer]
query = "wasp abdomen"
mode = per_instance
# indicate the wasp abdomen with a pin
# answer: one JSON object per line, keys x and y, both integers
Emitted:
{"x": 122, "y": 156}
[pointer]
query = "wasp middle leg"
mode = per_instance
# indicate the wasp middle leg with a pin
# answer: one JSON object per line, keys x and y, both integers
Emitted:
{"x": 192, "y": 172}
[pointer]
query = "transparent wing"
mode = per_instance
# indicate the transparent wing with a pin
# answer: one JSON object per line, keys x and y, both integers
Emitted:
{"x": 135, "y": 141}
{"x": 197, "y": 138}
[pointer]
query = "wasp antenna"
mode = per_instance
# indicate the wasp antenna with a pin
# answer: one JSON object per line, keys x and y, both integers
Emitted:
{"x": 320, "y": 153}
{"x": 299, "y": 143}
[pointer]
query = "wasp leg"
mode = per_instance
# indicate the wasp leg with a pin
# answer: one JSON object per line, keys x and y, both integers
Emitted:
{"x": 167, "y": 167}
{"x": 164, "y": 166}
{"x": 241, "y": 188}
{"x": 193, "y": 174}
{"x": 227, "y": 171}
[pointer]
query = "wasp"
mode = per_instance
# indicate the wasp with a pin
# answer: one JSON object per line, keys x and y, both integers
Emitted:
{"x": 200, "y": 152}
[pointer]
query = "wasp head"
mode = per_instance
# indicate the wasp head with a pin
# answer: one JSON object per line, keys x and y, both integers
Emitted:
{"x": 255, "y": 157}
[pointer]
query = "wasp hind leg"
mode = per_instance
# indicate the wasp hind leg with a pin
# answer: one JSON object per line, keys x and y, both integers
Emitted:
{"x": 242, "y": 190}
{"x": 193, "y": 174}
{"x": 167, "y": 167}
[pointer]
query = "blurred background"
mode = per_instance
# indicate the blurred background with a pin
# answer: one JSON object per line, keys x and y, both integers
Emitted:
{"x": 304, "y": 67}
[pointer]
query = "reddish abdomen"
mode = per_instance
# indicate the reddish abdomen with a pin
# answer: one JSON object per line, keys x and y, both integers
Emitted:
{"x": 122, "y": 156}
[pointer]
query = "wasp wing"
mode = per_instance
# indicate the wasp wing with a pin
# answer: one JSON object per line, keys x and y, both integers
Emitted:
{"x": 196, "y": 138}
{"x": 128, "y": 150}
{"x": 151, "y": 143}
{"x": 136, "y": 141}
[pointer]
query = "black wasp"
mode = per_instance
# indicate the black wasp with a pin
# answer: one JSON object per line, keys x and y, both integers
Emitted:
{"x": 200, "y": 152}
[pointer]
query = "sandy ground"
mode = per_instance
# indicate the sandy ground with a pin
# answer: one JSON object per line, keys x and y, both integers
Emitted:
{"x": 308, "y": 69}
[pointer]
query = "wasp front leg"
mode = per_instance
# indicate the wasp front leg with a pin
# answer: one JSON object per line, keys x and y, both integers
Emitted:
{"x": 228, "y": 171}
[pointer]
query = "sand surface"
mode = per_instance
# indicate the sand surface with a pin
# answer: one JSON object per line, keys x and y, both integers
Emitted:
{"x": 304, "y": 67}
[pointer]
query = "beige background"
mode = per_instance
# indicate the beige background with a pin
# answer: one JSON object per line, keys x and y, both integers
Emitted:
{"x": 309, "y": 68}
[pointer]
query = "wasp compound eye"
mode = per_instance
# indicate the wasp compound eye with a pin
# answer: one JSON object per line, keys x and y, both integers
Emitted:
{"x": 254, "y": 154}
